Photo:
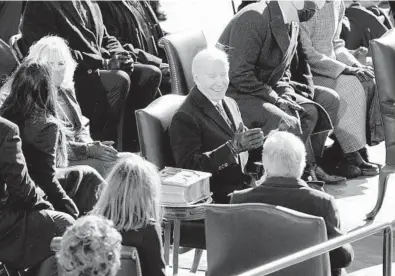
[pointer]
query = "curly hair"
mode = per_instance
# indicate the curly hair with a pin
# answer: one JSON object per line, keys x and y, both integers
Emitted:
{"x": 92, "y": 246}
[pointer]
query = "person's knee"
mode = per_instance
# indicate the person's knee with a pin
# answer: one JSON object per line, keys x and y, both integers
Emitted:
{"x": 310, "y": 114}
{"x": 342, "y": 257}
{"x": 152, "y": 74}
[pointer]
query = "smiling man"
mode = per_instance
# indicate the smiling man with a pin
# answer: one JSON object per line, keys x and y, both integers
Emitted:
{"x": 207, "y": 132}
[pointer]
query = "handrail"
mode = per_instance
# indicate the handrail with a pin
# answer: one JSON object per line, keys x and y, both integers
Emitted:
{"x": 334, "y": 243}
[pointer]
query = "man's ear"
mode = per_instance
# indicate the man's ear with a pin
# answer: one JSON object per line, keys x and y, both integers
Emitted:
{"x": 196, "y": 79}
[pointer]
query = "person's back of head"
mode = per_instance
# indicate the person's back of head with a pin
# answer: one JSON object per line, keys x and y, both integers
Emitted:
{"x": 132, "y": 198}
{"x": 284, "y": 155}
{"x": 90, "y": 247}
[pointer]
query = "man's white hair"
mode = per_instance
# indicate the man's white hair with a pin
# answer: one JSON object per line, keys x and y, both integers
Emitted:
{"x": 284, "y": 155}
{"x": 209, "y": 53}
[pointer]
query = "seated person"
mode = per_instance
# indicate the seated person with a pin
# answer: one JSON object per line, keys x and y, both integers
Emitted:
{"x": 260, "y": 77}
{"x": 132, "y": 202}
{"x": 284, "y": 158}
{"x": 27, "y": 221}
{"x": 135, "y": 25}
{"x": 334, "y": 67}
{"x": 363, "y": 21}
{"x": 82, "y": 150}
{"x": 91, "y": 247}
{"x": 31, "y": 105}
{"x": 106, "y": 73}
{"x": 207, "y": 132}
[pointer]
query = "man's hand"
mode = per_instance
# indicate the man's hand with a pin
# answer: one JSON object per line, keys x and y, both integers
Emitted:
{"x": 287, "y": 122}
{"x": 285, "y": 104}
{"x": 122, "y": 61}
{"x": 102, "y": 151}
{"x": 363, "y": 73}
{"x": 246, "y": 140}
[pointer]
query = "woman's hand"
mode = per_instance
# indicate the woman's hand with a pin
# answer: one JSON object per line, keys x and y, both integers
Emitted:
{"x": 103, "y": 151}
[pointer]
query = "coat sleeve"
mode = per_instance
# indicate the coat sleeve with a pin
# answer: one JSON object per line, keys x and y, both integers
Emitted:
{"x": 45, "y": 143}
{"x": 342, "y": 53}
{"x": 187, "y": 144}
{"x": 21, "y": 188}
{"x": 320, "y": 64}
{"x": 42, "y": 18}
{"x": 342, "y": 256}
{"x": 248, "y": 31}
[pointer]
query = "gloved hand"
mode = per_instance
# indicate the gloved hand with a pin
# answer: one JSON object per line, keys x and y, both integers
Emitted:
{"x": 246, "y": 140}
{"x": 102, "y": 151}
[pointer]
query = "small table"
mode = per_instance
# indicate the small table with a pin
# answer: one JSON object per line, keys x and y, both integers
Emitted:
{"x": 175, "y": 214}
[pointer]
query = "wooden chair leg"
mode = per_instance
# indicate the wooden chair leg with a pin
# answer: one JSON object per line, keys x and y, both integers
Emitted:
{"x": 176, "y": 245}
{"x": 385, "y": 173}
{"x": 196, "y": 260}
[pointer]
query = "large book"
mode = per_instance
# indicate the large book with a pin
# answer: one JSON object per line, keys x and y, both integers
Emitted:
{"x": 184, "y": 187}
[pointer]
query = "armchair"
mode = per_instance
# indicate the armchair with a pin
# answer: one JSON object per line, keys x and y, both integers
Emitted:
{"x": 180, "y": 49}
{"x": 244, "y": 236}
{"x": 152, "y": 128}
{"x": 383, "y": 53}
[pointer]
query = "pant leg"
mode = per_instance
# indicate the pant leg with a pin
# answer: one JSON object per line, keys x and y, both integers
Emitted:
{"x": 330, "y": 101}
{"x": 145, "y": 81}
{"x": 117, "y": 85}
{"x": 49, "y": 266}
{"x": 83, "y": 184}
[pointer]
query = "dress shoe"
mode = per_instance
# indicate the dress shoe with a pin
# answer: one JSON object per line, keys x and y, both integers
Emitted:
{"x": 346, "y": 169}
{"x": 328, "y": 178}
{"x": 367, "y": 169}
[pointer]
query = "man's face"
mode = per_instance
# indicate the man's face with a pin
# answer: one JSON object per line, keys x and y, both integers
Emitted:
{"x": 213, "y": 80}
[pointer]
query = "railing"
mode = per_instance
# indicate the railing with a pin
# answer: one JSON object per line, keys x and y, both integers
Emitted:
{"x": 322, "y": 248}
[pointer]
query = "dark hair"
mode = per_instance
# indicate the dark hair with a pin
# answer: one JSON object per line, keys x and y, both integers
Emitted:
{"x": 30, "y": 92}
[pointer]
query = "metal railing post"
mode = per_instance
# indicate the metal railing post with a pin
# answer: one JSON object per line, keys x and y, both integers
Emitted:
{"x": 387, "y": 251}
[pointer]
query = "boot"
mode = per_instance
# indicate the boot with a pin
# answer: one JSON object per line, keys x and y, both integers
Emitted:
{"x": 365, "y": 156}
{"x": 367, "y": 169}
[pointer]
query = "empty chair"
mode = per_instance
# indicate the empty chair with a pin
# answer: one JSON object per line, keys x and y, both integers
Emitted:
{"x": 180, "y": 49}
{"x": 241, "y": 237}
{"x": 383, "y": 53}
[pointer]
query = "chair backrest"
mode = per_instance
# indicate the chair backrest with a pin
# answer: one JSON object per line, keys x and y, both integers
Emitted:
{"x": 130, "y": 262}
{"x": 152, "y": 127}
{"x": 383, "y": 56}
{"x": 8, "y": 61}
{"x": 240, "y": 237}
{"x": 180, "y": 49}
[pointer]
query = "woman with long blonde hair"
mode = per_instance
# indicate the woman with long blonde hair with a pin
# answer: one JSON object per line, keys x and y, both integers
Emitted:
{"x": 82, "y": 149}
{"x": 132, "y": 202}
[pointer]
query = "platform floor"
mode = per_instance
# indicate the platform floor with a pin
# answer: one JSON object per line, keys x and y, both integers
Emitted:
{"x": 355, "y": 199}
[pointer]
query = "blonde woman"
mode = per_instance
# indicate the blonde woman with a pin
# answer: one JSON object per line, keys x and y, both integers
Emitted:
{"x": 82, "y": 150}
{"x": 132, "y": 202}
{"x": 90, "y": 247}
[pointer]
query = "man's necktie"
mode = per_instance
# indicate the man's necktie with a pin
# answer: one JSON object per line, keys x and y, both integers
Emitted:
{"x": 221, "y": 111}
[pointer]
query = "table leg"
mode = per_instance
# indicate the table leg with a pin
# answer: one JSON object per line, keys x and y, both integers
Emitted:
{"x": 176, "y": 245}
{"x": 167, "y": 241}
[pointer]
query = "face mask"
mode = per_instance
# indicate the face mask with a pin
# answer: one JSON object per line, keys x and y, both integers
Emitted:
{"x": 308, "y": 11}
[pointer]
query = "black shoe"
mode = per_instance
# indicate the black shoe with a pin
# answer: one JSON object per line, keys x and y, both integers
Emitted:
{"x": 367, "y": 169}
{"x": 330, "y": 179}
{"x": 346, "y": 170}
{"x": 365, "y": 156}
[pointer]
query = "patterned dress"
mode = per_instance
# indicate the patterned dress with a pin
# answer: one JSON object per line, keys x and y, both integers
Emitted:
{"x": 328, "y": 57}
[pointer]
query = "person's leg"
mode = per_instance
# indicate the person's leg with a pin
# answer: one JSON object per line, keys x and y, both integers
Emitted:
{"x": 116, "y": 85}
{"x": 49, "y": 266}
{"x": 145, "y": 80}
{"x": 83, "y": 184}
